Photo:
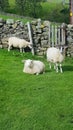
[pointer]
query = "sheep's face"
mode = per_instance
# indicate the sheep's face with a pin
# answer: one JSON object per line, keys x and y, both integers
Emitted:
{"x": 61, "y": 58}
{"x": 30, "y": 46}
{"x": 29, "y": 63}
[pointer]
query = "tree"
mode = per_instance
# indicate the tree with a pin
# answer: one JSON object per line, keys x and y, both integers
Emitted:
{"x": 4, "y": 4}
{"x": 21, "y": 6}
{"x": 28, "y": 7}
{"x": 36, "y": 7}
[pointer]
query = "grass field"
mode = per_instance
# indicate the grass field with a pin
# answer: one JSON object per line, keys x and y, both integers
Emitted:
{"x": 30, "y": 102}
{"x": 24, "y": 20}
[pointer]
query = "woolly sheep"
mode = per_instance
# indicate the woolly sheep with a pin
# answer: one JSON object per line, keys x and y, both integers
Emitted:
{"x": 33, "y": 66}
{"x": 17, "y": 42}
{"x": 55, "y": 56}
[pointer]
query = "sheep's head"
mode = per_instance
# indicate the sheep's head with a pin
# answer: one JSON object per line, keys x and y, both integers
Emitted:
{"x": 28, "y": 63}
{"x": 63, "y": 49}
{"x": 30, "y": 46}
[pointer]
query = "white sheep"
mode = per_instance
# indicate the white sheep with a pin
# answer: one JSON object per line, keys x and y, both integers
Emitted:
{"x": 55, "y": 56}
{"x": 17, "y": 42}
{"x": 33, "y": 66}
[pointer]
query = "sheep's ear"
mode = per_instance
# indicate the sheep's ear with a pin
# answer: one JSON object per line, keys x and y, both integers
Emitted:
{"x": 61, "y": 49}
{"x": 31, "y": 61}
{"x": 23, "y": 61}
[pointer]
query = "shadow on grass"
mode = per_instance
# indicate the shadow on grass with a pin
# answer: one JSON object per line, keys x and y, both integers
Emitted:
{"x": 68, "y": 68}
{"x": 65, "y": 68}
{"x": 48, "y": 70}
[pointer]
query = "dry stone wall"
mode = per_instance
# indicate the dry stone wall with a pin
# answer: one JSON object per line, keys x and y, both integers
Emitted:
{"x": 39, "y": 33}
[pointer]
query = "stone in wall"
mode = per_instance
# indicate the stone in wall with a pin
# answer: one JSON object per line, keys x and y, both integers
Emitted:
{"x": 69, "y": 33}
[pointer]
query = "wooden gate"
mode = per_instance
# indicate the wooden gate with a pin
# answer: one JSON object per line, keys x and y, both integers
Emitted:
{"x": 56, "y": 35}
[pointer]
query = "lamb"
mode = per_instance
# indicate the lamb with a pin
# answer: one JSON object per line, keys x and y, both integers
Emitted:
{"x": 33, "y": 66}
{"x": 17, "y": 42}
{"x": 55, "y": 56}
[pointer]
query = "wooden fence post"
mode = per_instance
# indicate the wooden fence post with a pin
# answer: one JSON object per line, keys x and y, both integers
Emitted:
{"x": 49, "y": 36}
{"x": 52, "y": 27}
{"x": 30, "y": 37}
{"x": 55, "y": 35}
{"x": 58, "y": 35}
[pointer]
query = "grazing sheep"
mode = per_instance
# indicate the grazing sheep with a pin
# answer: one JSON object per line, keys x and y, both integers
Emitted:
{"x": 55, "y": 56}
{"x": 33, "y": 66}
{"x": 17, "y": 42}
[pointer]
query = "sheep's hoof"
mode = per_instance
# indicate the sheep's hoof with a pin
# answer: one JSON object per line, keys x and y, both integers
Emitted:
{"x": 37, "y": 73}
{"x": 57, "y": 71}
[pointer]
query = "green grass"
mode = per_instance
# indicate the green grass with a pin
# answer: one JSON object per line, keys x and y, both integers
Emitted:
{"x": 24, "y": 20}
{"x": 30, "y": 102}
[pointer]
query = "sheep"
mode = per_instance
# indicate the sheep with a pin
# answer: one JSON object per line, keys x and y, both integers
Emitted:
{"x": 55, "y": 56}
{"x": 17, "y": 42}
{"x": 33, "y": 66}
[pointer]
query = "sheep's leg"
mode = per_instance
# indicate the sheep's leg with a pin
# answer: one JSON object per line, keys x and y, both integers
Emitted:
{"x": 54, "y": 66}
{"x": 9, "y": 48}
{"x": 43, "y": 72}
{"x": 61, "y": 68}
{"x": 37, "y": 73}
{"x": 21, "y": 50}
{"x": 57, "y": 67}
{"x": 50, "y": 65}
